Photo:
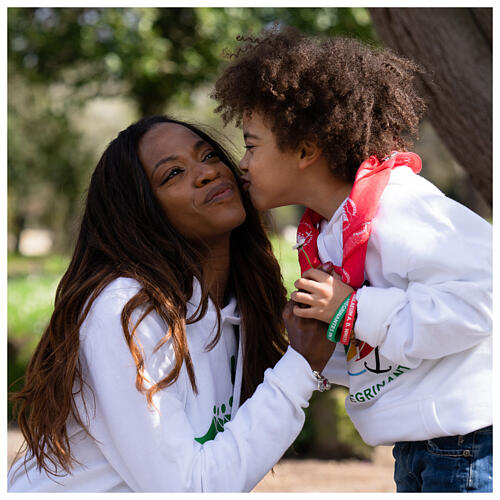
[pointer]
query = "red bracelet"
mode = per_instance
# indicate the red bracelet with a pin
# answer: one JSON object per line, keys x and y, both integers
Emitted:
{"x": 349, "y": 320}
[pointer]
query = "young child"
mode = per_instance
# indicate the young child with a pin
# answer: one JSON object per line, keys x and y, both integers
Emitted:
{"x": 327, "y": 124}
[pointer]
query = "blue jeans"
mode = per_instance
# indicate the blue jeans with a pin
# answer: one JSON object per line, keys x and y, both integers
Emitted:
{"x": 446, "y": 464}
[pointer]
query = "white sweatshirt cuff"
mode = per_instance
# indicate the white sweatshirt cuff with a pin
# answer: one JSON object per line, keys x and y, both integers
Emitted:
{"x": 295, "y": 375}
{"x": 376, "y": 308}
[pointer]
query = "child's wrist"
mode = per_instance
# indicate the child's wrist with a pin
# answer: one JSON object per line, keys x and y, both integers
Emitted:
{"x": 336, "y": 322}
{"x": 341, "y": 325}
{"x": 349, "y": 318}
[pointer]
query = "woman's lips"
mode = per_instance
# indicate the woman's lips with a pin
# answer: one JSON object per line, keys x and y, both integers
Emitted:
{"x": 220, "y": 192}
{"x": 246, "y": 184}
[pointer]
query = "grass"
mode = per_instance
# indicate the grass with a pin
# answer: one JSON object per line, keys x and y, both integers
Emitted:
{"x": 32, "y": 284}
{"x": 31, "y": 287}
{"x": 19, "y": 265}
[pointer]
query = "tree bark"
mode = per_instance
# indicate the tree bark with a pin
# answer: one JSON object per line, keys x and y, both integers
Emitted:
{"x": 454, "y": 46}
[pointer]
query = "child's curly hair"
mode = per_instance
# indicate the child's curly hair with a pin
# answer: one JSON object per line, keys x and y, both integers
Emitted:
{"x": 353, "y": 100}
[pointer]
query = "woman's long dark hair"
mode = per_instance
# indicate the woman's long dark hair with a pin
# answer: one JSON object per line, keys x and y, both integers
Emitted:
{"x": 124, "y": 232}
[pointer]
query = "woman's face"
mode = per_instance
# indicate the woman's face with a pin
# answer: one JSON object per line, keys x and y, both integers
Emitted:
{"x": 198, "y": 192}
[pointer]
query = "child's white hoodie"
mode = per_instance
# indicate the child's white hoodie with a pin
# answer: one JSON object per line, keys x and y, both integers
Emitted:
{"x": 427, "y": 313}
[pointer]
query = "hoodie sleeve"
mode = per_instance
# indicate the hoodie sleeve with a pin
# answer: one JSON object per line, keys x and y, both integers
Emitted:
{"x": 432, "y": 261}
{"x": 154, "y": 449}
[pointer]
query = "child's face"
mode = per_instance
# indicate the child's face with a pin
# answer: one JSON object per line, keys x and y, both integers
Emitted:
{"x": 269, "y": 172}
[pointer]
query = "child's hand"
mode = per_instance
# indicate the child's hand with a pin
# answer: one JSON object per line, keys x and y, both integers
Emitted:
{"x": 324, "y": 293}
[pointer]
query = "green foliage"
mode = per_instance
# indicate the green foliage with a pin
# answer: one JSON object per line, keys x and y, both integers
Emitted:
{"x": 47, "y": 165}
{"x": 19, "y": 265}
{"x": 287, "y": 257}
{"x": 29, "y": 306}
{"x": 31, "y": 290}
{"x": 32, "y": 284}
{"x": 59, "y": 59}
{"x": 155, "y": 54}
{"x": 328, "y": 431}
{"x": 346, "y": 433}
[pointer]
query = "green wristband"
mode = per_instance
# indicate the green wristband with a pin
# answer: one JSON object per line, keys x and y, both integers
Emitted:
{"x": 338, "y": 331}
{"x": 337, "y": 321}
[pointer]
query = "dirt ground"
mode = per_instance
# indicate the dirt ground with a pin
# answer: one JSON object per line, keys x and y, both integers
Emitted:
{"x": 308, "y": 475}
{"x": 331, "y": 475}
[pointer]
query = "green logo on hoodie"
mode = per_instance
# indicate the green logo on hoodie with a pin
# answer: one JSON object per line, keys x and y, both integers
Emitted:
{"x": 221, "y": 414}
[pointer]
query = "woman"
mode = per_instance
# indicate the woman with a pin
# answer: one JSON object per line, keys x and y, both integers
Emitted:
{"x": 164, "y": 324}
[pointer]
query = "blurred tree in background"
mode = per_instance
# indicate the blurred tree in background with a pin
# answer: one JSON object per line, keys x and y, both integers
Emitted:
{"x": 153, "y": 55}
{"x": 62, "y": 60}
{"x": 46, "y": 164}
{"x": 455, "y": 46}
{"x": 59, "y": 59}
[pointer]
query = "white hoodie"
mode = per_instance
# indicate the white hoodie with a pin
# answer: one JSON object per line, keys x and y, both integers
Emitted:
{"x": 427, "y": 313}
{"x": 180, "y": 446}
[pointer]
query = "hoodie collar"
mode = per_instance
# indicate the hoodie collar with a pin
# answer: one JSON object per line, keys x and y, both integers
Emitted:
{"x": 228, "y": 313}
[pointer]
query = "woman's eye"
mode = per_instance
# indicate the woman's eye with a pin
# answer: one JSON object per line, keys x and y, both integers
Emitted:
{"x": 249, "y": 146}
{"x": 171, "y": 173}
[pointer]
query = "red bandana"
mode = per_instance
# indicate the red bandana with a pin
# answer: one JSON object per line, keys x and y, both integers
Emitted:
{"x": 359, "y": 210}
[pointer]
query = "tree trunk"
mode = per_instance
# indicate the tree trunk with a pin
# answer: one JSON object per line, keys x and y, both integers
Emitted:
{"x": 17, "y": 229}
{"x": 455, "y": 48}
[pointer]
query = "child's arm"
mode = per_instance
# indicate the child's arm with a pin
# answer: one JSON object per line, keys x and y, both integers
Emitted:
{"x": 322, "y": 292}
{"x": 429, "y": 267}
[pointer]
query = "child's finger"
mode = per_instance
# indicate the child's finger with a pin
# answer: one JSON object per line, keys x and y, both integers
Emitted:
{"x": 305, "y": 284}
{"x": 302, "y": 297}
{"x": 309, "y": 286}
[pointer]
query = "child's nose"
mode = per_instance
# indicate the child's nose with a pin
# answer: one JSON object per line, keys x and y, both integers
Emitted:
{"x": 244, "y": 163}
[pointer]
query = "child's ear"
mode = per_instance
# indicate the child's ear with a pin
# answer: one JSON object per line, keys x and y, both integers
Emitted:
{"x": 309, "y": 152}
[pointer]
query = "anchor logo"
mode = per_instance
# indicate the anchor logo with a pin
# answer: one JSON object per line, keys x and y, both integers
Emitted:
{"x": 377, "y": 364}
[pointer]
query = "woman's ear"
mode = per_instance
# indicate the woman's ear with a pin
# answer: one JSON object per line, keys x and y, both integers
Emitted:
{"x": 309, "y": 152}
